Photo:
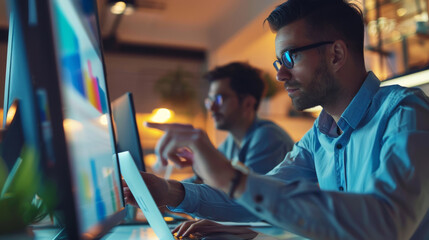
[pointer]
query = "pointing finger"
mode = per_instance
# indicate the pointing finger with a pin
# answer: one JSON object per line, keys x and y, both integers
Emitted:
{"x": 168, "y": 126}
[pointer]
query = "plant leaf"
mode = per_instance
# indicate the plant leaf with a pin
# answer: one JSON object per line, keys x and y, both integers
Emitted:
{"x": 3, "y": 173}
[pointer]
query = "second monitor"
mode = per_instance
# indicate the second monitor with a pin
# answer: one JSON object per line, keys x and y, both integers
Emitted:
{"x": 125, "y": 124}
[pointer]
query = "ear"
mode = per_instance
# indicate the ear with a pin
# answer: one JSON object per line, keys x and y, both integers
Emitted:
{"x": 339, "y": 54}
{"x": 249, "y": 102}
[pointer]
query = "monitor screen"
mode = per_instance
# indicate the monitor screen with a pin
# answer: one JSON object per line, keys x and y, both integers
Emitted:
{"x": 87, "y": 121}
{"x": 127, "y": 133}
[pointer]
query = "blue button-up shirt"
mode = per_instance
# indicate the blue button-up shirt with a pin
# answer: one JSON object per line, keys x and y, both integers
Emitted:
{"x": 264, "y": 146}
{"x": 370, "y": 182}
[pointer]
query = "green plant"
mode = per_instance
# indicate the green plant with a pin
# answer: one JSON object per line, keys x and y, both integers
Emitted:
{"x": 175, "y": 88}
{"x": 23, "y": 198}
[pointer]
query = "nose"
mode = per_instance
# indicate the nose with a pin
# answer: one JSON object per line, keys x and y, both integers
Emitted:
{"x": 284, "y": 74}
{"x": 213, "y": 107}
{"x": 210, "y": 105}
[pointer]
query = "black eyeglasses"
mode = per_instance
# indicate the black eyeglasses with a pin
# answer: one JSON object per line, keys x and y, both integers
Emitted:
{"x": 288, "y": 57}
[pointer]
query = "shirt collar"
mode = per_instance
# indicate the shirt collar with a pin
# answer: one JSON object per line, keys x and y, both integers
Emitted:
{"x": 251, "y": 128}
{"x": 246, "y": 138}
{"x": 357, "y": 108}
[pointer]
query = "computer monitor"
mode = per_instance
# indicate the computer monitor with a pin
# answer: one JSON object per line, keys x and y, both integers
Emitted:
{"x": 87, "y": 119}
{"x": 64, "y": 62}
{"x": 125, "y": 125}
{"x": 418, "y": 79}
{"x": 19, "y": 91}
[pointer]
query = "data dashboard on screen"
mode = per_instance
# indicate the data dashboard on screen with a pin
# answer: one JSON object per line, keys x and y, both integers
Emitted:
{"x": 87, "y": 122}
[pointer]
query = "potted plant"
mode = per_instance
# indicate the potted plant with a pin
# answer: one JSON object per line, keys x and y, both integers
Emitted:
{"x": 23, "y": 199}
{"x": 176, "y": 90}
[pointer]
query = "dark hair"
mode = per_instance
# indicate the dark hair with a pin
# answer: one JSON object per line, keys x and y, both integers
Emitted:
{"x": 244, "y": 79}
{"x": 325, "y": 19}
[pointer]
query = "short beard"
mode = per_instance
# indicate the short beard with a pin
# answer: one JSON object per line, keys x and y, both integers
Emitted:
{"x": 322, "y": 90}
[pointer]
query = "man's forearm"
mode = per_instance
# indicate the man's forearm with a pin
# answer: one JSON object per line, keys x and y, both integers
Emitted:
{"x": 176, "y": 193}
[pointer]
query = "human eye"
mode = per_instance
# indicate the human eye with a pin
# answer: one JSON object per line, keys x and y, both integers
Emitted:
{"x": 295, "y": 55}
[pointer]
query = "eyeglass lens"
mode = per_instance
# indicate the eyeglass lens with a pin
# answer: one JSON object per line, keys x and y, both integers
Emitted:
{"x": 217, "y": 101}
{"x": 286, "y": 59}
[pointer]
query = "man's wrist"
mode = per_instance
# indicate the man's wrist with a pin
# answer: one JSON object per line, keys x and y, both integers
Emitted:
{"x": 241, "y": 187}
{"x": 239, "y": 179}
{"x": 176, "y": 193}
{"x": 238, "y": 184}
{"x": 234, "y": 183}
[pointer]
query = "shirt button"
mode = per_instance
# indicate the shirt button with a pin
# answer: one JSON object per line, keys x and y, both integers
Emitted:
{"x": 339, "y": 146}
{"x": 341, "y": 188}
{"x": 258, "y": 198}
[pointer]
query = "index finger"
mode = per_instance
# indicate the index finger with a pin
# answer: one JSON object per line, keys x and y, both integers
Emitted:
{"x": 168, "y": 126}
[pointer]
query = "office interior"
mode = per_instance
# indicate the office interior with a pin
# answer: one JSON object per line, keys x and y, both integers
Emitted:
{"x": 148, "y": 43}
{"x": 158, "y": 37}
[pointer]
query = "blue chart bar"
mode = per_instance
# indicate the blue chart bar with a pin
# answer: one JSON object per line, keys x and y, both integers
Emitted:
{"x": 99, "y": 203}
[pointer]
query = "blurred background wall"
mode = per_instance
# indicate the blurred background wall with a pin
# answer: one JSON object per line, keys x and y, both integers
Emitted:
{"x": 157, "y": 41}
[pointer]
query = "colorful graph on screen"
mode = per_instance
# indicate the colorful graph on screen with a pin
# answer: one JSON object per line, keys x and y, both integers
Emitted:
{"x": 114, "y": 191}
{"x": 78, "y": 69}
{"x": 86, "y": 191}
{"x": 99, "y": 203}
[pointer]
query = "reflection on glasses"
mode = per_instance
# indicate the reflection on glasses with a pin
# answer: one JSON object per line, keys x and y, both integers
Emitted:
{"x": 287, "y": 58}
{"x": 217, "y": 101}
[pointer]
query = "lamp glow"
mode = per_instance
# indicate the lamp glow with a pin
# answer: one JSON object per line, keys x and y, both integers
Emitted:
{"x": 161, "y": 115}
{"x": 10, "y": 114}
{"x": 401, "y": 12}
{"x": 71, "y": 125}
{"x": 103, "y": 120}
{"x": 118, "y": 7}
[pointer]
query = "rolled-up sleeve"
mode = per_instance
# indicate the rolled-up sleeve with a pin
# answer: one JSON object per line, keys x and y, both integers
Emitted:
{"x": 204, "y": 201}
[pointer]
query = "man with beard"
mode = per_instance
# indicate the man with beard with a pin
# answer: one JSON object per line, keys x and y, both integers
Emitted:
{"x": 359, "y": 173}
{"x": 234, "y": 96}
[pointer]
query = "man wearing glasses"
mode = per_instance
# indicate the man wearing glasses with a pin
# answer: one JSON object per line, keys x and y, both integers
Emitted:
{"x": 233, "y": 100}
{"x": 361, "y": 172}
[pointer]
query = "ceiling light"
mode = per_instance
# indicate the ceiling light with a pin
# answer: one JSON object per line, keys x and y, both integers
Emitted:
{"x": 118, "y": 7}
{"x": 401, "y": 12}
{"x": 122, "y": 7}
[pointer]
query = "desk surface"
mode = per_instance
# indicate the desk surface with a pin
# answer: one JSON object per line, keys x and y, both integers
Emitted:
{"x": 143, "y": 231}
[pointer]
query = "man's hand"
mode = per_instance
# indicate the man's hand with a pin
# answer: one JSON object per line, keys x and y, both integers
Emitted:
{"x": 207, "y": 227}
{"x": 207, "y": 161}
{"x": 164, "y": 192}
{"x": 182, "y": 156}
